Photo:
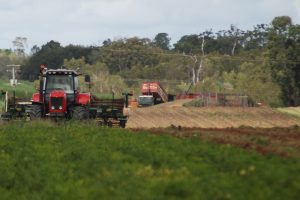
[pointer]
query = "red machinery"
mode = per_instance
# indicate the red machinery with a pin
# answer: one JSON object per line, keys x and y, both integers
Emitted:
{"x": 59, "y": 96}
{"x": 152, "y": 93}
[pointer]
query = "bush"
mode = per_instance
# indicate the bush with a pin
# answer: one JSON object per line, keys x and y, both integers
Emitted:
{"x": 194, "y": 103}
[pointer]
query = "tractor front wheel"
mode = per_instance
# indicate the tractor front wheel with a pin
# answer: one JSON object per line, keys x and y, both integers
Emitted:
{"x": 35, "y": 112}
{"x": 80, "y": 113}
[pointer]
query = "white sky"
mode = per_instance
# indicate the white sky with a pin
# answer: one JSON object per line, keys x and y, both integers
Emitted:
{"x": 89, "y": 22}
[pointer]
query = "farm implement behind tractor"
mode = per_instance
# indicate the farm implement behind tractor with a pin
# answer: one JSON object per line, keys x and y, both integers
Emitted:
{"x": 13, "y": 108}
{"x": 59, "y": 97}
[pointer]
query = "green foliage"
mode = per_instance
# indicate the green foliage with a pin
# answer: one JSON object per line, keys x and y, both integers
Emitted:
{"x": 261, "y": 63}
{"x": 246, "y": 78}
{"x": 102, "y": 81}
{"x": 194, "y": 103}
{"x": 208, "y": 84}
{"x": 283, "y": 47}
{"x": 76, "y": 63}
{"x": 189, "y": 44}
{"x": 281, "y": 23}
{"x": 52, "y": 55}
{"x": 43, "y": 160}
{"x": 255, "y": 81}
{"x": 19, "y": 45}
{"x": 256, "y": 39}
{"x": 162, "y": 40}
{"x": 295, "y": 111}
{"x": 8, "y": 57}
{"x": 123, "y": 54}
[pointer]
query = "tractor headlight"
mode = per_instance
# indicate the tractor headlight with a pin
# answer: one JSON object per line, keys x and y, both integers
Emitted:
{"x": 52, "y": 107}
{"x": 60, "y": 107}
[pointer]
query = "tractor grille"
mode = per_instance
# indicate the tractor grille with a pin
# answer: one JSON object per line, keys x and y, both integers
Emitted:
{"x": 56, "y": 102}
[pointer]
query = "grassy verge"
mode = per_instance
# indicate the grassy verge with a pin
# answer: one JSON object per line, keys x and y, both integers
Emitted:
{"x": 23, "y": 90}
{"x": 43, "y": 160}
{"x": 295, "y": 111}
{"x": 194, "y": 103}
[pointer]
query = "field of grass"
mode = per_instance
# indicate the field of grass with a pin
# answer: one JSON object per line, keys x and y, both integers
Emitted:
{"x": 295, "y": 111}
{"x": 23, "y": 90}
{"x": 43, "y": 160}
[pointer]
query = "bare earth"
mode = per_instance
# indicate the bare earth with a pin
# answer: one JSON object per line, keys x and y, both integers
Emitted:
{"x": 168, "y": 114}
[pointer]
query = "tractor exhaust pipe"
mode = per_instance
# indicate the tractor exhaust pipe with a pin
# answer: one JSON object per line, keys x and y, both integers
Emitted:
{"x": 42, "y": 69}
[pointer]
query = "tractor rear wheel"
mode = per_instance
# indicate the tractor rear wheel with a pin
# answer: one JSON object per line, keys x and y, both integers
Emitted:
{"x": 35, "y": 112}
{"x": 80, "y": 113}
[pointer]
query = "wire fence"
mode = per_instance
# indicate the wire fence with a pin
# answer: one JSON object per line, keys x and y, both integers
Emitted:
{"x": 218, "y": 99}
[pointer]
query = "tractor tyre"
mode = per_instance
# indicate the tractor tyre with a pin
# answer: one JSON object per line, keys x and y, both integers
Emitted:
{"x": 122, "y": 123}
{"x": 80, "y": 113}
{"x": 35, "y": 112}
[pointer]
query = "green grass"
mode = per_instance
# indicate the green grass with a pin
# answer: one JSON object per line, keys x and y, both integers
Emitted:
{"x": 295, "y": 111}
{"x": 23, "y": 90}
{"x": 194, "y": 103}
{"x": 106, "y": 95}
{"x": 42, "y": 160}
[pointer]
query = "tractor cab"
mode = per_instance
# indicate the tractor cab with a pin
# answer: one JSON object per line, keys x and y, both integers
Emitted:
{"x": 59, "y": 90}
{"x": 63, "y": 81}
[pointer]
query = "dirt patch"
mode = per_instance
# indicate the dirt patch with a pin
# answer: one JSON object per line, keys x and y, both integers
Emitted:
{"x": 281, "y": 141}
{"x": 173, "y": 113}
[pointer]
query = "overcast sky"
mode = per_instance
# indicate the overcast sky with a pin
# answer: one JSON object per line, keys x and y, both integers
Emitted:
{"x": 89, "y": 22}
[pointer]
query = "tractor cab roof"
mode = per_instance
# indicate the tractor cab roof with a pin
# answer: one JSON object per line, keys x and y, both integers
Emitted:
{"x": 60, "y": 72}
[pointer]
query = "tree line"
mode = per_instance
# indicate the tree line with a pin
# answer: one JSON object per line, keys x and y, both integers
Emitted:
{"x": 263, "y": 63}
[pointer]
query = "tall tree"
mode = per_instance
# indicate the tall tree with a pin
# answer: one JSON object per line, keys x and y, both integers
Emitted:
{"x": 257, "y": 38}
{"x": 235, "y": 34}
{"x": 52, "y": 55}
{"x": 188, "y": 44}
{"x": 19, "y": 45}
{"x": 284, "y": 55}
{"x": 121, "y": 55}
{"x": 35, "y": 49}
{"x": 106, "y": 42}
{"x": 281, "y": 24}
{"x": 205, "y": 37}
{"x": 162, "y": 40}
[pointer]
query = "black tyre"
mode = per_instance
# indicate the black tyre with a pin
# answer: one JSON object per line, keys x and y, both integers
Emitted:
{"x": 35, "y": 112}
{"x": 80, "y": 113}
{"x": 122, "y": 123}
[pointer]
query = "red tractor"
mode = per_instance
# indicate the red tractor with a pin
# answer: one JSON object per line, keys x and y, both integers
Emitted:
{"x": 59, "y": 96}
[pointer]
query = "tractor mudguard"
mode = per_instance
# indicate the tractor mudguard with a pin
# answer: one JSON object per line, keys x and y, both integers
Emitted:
{"x": 35, "y": 98}
{"x": 83, "y": 98}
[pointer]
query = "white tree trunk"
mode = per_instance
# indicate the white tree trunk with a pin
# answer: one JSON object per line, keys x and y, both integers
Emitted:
{"x": 193, "y": 75}
{"x": 233, "y": 48}
{"x": 201, "y": 61}
{"x": 202, "y": 46}
{"x": 199, "y": 70}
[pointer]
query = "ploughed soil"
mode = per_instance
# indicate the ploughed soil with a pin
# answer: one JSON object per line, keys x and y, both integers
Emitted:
{"x": 174, "y": 114}
{"x": 284, "y": 142}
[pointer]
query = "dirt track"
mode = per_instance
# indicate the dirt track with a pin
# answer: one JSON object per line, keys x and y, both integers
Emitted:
{"x": 173, "y": 113}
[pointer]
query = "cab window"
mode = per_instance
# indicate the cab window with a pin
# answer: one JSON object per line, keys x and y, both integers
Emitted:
{"x": 60, "y": 82}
